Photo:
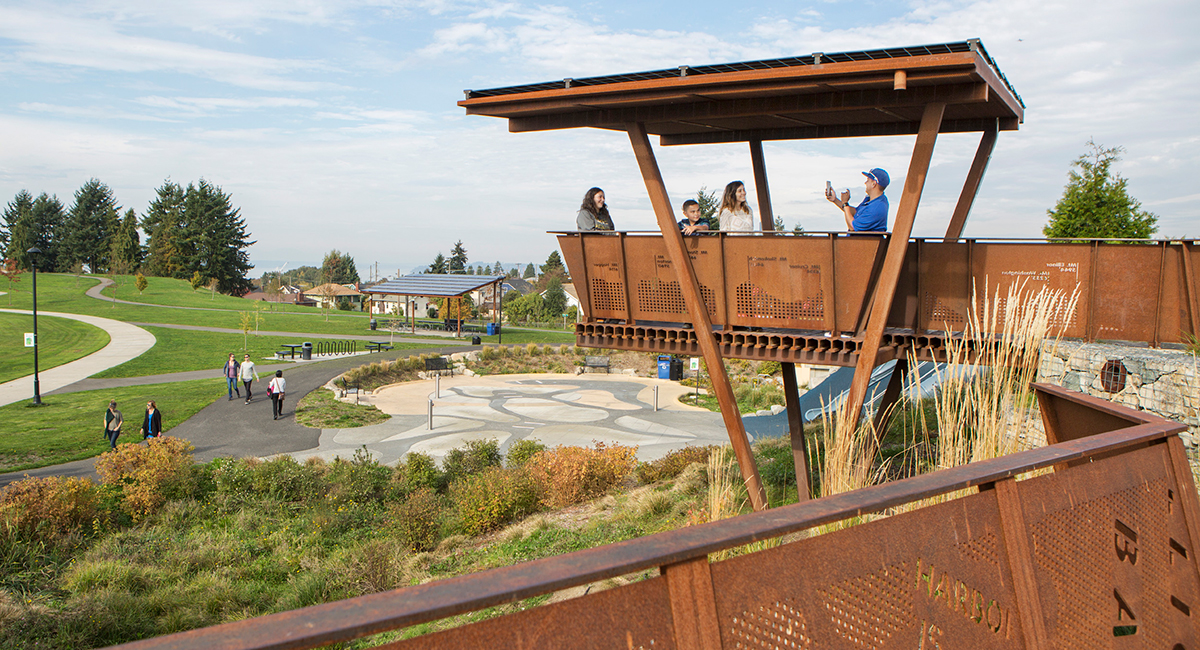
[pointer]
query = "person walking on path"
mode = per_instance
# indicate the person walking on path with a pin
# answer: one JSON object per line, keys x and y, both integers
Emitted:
{"x": 276, "y": 390}
{"x": 112, "y": 424}
{"x": 249, "y": 375}
{"x": 152, "y": 424}
{"x": 231, "y": 376}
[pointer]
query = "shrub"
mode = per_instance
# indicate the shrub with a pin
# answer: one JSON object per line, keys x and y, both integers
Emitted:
{"x": 283, "y": 478}
{"x": 475, "y": 456}
{"x": 150, "y": 474}
{"x": 360, "y": 479}
{"x": 533, "y": 349}
{"x": 567, "y": 475}
{"x": 756, "y": 398}
{"x": 416, "y": 520}
{"x": 493, "y": 497}
{"x": 419, "y": 471}
{"x": 564, "y": 349}
{"x": 776, "y": 465}
{"x": 672, "y": 464}
{"x": 489, "y": 353}
{"x": 521, "y": 451}
{"x": 48, "y": 508}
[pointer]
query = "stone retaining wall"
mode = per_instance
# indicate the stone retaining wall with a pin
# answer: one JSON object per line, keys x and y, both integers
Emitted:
{"x": 1163, "y": 382}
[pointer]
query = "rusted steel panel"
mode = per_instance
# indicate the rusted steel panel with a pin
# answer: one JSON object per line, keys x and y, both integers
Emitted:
{"x": 935, "y": 577}
{"x": 605, "y": 276}
{"x": 637, "y": 615}
{"x": 777, "y": 281}
{"x": 1056, "y": 267}
{"x": 1127, "y": 286}
{"x": 1115, "y": 561}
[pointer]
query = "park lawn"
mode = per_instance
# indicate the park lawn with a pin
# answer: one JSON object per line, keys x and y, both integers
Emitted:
{"x": 61, "y": 340}
{"x": 70, "y": 427}
{"x": 514, "y": 336}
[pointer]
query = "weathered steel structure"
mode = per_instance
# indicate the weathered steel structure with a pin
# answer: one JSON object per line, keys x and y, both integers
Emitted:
{"x": 1097, "y": 549}
{"x": 831, "y": 299}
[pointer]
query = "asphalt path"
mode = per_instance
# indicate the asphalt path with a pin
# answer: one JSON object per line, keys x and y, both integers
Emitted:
{"x": 230, "y": 427}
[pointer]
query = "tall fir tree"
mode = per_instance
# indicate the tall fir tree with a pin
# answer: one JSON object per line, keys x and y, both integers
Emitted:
{"x": 49, "y": 226}
{"x": 215, "y": 238}
{"x": 91, "y": 223}
{"x": 458, "y": 258}
{"x": 127, "y": 245}
{"x": 439, "y": 265}
{"x": 163, "y": 224}
{"x": 497, "y": 269}
{"x": 529, "y": 272}
{"x": 339, "y": 268}
{"x": 553, "y": 265}
{"x": 16, "y": 234}
{"x": 1096, "y": 203}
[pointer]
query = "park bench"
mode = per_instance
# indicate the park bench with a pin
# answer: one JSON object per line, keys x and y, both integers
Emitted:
{"x": 377, "y": 346}
{"x": 596, "y": 362}
{"x": 438, "y": 364}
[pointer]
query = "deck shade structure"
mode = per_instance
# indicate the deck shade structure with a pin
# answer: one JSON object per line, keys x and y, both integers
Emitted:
{"x": 441, "y": 285}
{"x": 922, "y": 91}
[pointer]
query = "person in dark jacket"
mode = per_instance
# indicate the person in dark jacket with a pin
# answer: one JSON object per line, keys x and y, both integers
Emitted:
{"x": 112, "y": 424}
{"x": 152, "y": 424}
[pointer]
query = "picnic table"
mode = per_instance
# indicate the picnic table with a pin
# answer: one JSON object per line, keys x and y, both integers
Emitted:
{"x": 292, "y": 347}
{"x": 377, "y": 346}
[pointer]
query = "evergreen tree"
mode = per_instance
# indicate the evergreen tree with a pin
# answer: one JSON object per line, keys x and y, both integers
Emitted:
{"x": 339, "y": 268}
{"x": 91, "y": 223}
{"x": 163, "y": 224}
{"x": 438, "y": 266}
{"x": 497, "y": 269}
{"x": 553, "y": 265}
{"x": 215, "y": 238}
{"x": 458, "y": 258}
{"x": 127, "y": 246}
{"x": 48, "y": 226}
{"x": 555, "y": 299}
{"x": 17, "y": 230}
{"x": 529, "y": 272}
{"x": 514, "y": 272}
{"x": 708, "y": 204}
{"x": 1095, "y": 202}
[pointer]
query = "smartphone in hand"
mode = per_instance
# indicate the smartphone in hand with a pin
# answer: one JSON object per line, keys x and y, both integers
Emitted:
{"x": 828, "y": 188}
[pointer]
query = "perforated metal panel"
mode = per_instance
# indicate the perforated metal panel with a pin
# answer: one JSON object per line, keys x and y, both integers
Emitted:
{"x": 664, "y": 297}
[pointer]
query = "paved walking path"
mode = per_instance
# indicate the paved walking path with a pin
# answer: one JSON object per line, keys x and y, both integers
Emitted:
{"x": 380, "y": 336}
{"x": 126, "y": 342}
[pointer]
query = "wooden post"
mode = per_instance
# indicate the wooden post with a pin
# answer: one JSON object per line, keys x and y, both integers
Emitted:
{"x": 889, "y": 275}
{"x": 760, "y": 186}
{"x": 791, "y": 396}
{"x": 983, "y": 155}
{"x": 697, "y": 310}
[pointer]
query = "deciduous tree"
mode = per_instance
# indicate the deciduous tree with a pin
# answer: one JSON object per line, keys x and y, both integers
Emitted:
{"x": 12, "y": 271}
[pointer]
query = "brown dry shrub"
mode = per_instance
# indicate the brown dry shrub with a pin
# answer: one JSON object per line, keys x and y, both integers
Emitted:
{"x": 148, "y": 475}
{"x": 672, "y": 464}
{"x": 567, "y": 475}
{"x": 48, "y": 508}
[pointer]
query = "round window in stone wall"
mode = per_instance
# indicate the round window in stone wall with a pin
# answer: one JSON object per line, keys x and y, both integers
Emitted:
{"x": 1112, "y": 376}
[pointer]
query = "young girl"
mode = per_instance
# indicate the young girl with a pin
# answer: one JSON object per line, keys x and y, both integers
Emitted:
{"x": 735, "y": 214}
{"x": 593, "y": 214}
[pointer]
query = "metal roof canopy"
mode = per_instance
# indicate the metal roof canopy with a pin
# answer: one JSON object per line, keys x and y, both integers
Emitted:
{"x": 876, "y": 92}
{"x": 924, "y": 90}
{"x": 433, "y": 284}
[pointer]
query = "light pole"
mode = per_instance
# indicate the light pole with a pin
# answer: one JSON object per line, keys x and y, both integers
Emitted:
{"x": 37, "y": 389}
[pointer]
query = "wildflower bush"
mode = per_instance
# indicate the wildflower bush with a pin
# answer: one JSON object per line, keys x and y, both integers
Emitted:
{"x": 419, "y": 471}
{"x": 567, "y": 475}
{"x": 416, "y": 520}
{"x": 672, "y": 464}
{"x": 47, "y": 509}
{"x": 361, "y": 479}
{"x": 493, "y": 497}
{"x": 473, "y": 457}
{"x": 521, "y": 451}
{"x": 148, "y": 474}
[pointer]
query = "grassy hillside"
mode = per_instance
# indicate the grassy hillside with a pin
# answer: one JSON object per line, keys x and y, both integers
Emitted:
{"x": 62, "y": 341}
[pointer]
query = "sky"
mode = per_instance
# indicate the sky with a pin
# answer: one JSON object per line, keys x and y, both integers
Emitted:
{"x": 333, "y": 124}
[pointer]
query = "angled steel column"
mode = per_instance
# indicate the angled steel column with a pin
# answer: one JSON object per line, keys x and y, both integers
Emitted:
{"x": 791, "y": 396}
{"x": 760, "y": 186}
{"x": 983, "y": 155}
{"x": 885, "y": 288}
{"x": 697, "y": 310}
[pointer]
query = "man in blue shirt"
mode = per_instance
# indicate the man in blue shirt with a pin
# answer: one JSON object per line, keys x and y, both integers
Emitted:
{"x": 870, "y": 215}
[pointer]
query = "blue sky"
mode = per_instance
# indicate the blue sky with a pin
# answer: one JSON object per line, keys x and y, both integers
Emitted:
{"x": 334, "y": 124}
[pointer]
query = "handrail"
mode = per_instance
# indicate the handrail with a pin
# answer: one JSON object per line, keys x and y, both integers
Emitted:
{"x": 365, "y": 615}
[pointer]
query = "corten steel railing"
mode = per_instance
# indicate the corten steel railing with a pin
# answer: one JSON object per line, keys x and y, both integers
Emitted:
{"x": 1099, "y": 550}
{"x": 820, "y": 288}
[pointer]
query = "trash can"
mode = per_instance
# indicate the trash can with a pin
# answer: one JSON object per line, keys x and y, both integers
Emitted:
{"x": 475, "y": 340}
{"x": 306, "y": 351}
{"x": 676, "y": 369}
{"x": 664, "y": 366}
{"x": 491, "y": 329}
{"x": 372, "y": 324}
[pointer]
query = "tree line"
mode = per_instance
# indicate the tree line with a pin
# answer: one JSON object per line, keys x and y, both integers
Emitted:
{"x": 190, "y": 232}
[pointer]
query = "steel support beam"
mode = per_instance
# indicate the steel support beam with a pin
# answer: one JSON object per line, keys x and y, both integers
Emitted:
{"x": 891, "y": 395}
{"x": 983, "y": 155}
{"x": 760, "y": 185}
{"x": 893, "y": 263}
{"x": 697, "y": 310}
{"x": 791, "y": 396}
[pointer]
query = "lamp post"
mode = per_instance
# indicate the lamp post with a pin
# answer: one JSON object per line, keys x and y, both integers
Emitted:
{"x": 37, "y": 389}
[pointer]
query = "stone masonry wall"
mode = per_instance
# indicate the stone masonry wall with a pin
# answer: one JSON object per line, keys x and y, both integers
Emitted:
{"x": 1163, "y": 382}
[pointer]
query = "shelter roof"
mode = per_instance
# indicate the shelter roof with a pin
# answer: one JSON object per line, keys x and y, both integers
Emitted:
{"x": 433, "y": 284}
{"x": 875, "y": 92}
{"x": 332, "y": 289}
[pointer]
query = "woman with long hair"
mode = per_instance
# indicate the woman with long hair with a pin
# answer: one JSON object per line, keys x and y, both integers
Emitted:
{"x": 593, "y": 214}
{"x": 152, "y": 423}
{"x": 735, "y": 215}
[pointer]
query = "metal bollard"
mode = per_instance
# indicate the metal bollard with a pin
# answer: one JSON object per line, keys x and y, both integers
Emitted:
{"x": 437, "y": 386}
{"x": 431, "y": 415}
{"x": 656, "y": 399}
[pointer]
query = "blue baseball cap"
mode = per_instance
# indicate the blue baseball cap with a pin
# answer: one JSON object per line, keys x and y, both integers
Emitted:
{"x": 879, "y": 176}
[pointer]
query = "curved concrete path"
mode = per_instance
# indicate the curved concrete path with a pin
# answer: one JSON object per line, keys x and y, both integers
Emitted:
{"x": 555, "y": 409}
{"x": 125, "y": 342}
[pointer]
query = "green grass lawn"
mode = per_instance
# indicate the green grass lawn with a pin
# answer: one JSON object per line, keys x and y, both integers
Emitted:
{"x": 61, "y": 341}
{"x": 70, "y": 427}
{"x": 185, "y": 350}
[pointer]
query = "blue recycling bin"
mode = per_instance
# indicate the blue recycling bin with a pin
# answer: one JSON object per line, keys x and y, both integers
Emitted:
{"x": 491, "y": 329}
{"x": 664, "y": 366}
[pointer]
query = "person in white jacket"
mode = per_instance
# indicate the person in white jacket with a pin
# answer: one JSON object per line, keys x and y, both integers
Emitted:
{"x": 276, "y": 389}
{"x": 735, "y": 214}
{"x": 249, "y": 375}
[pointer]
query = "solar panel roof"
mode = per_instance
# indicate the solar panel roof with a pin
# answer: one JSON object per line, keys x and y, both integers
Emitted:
{"x": 433, "y": 284}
